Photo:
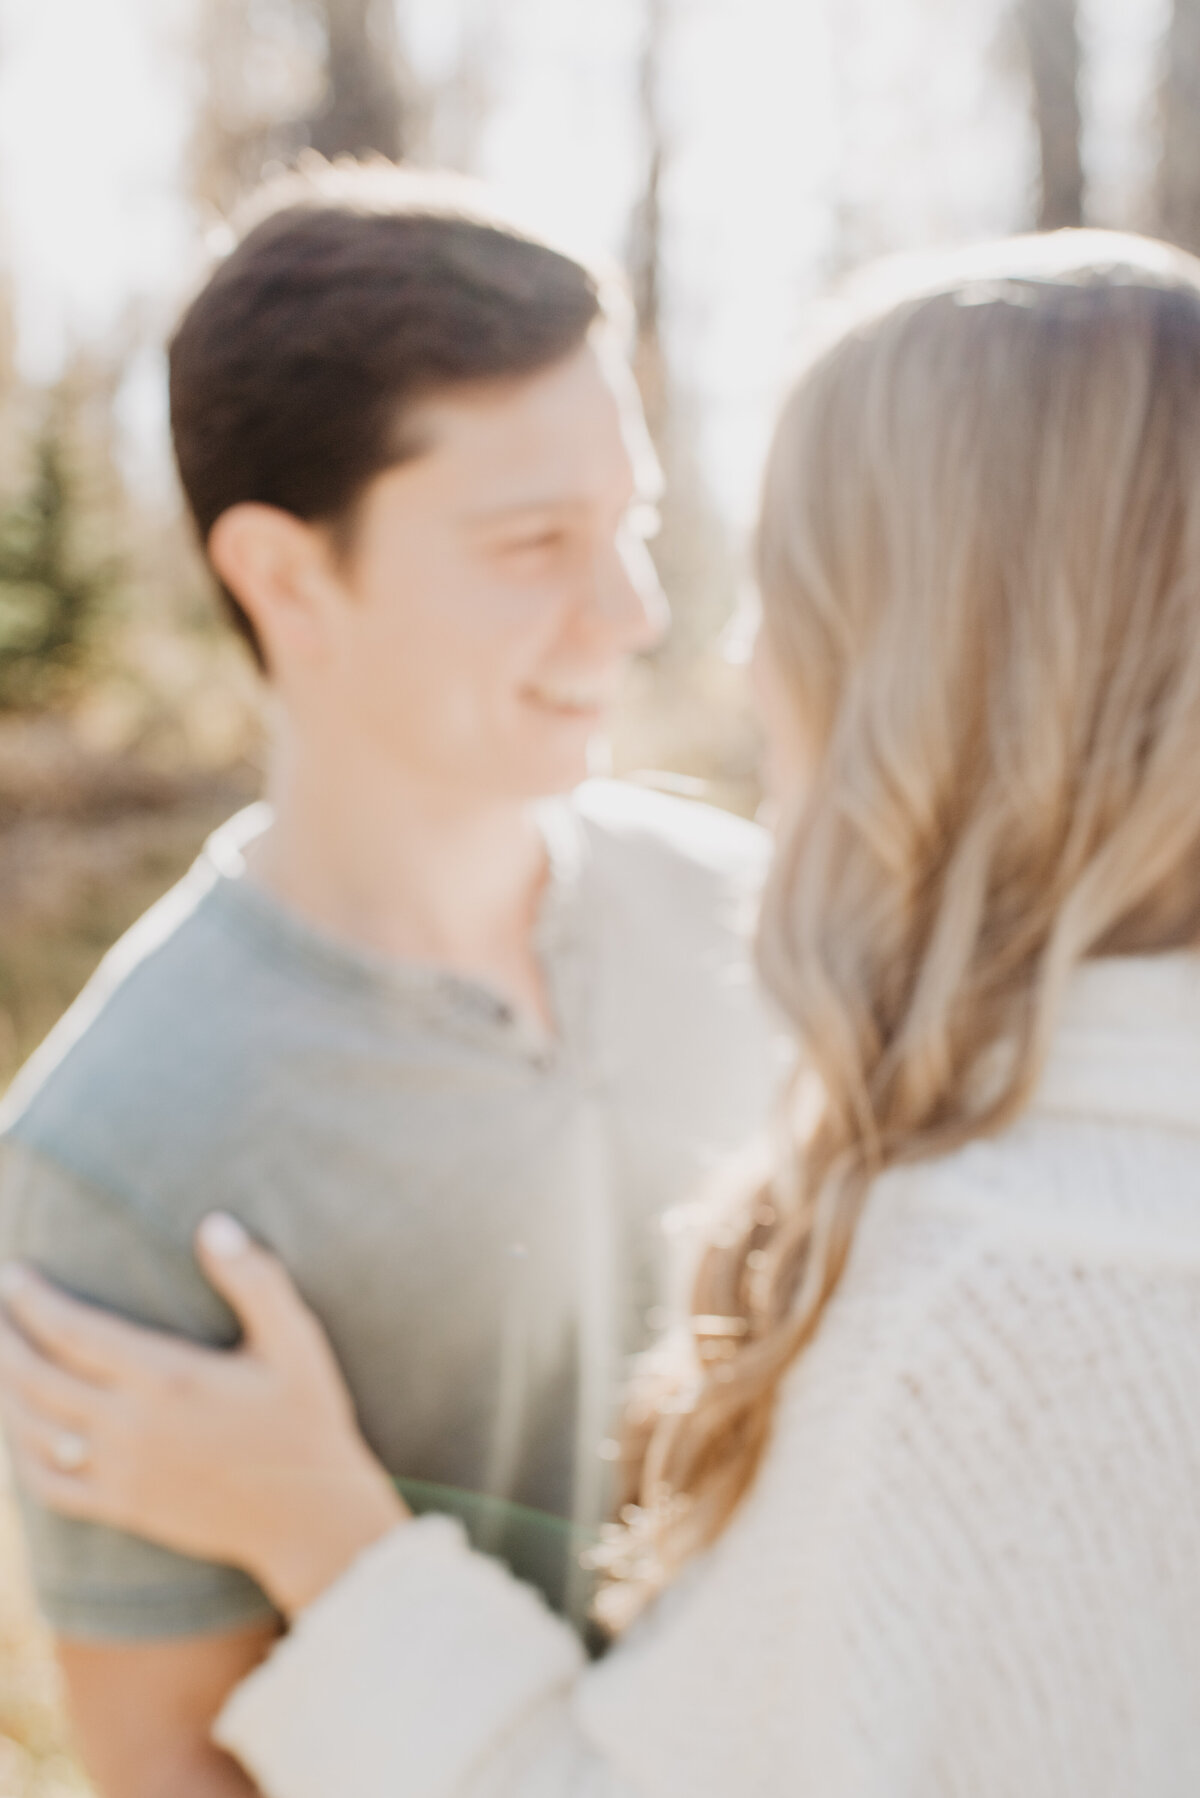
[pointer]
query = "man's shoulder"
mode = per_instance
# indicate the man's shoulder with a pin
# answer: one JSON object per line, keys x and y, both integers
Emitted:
{"x": 158, "y": 1041}
{"x": 639, "y": 831}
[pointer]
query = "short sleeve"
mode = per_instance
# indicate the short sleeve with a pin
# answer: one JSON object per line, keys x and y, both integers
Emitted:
{"x": 94, "y": 1582}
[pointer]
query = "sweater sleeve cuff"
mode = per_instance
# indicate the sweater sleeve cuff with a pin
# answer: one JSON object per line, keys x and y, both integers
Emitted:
{"x": 396, "y": 1681}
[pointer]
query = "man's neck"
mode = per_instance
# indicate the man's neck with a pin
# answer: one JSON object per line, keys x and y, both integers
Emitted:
{"x": 392, "y": 865}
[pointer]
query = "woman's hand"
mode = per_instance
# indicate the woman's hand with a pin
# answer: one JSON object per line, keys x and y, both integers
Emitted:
{"x": 250, "y": 1456}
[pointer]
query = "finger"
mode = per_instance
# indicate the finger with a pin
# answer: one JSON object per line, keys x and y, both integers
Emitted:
{"x": 33, "y": 1442}
{"x": 79, "y": 1338}
{"x": 76, "y": 1495}
{"x": 277, "y": 1323}
{"x": 28, "y": 1377}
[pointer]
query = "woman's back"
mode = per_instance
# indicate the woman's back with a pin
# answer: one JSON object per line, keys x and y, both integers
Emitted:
{"x": 971, "y": 1563}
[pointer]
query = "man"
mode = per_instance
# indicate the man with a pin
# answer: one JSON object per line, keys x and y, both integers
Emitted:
{"x": 449, "y": 1044}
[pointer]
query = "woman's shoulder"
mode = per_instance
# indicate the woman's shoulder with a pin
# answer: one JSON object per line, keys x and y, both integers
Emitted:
{"x": 1020, "y": 1300}
{"x": 1017, "y": 1286}
{"x": 1108, "y": 1150}
{"x": 1080, "y": 1184}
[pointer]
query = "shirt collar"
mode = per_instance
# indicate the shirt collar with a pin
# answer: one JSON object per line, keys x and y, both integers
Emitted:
{"x": 442, "y": 996}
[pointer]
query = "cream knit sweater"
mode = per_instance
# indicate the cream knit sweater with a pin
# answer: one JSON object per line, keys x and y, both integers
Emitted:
{"x": 970, "y": 1567}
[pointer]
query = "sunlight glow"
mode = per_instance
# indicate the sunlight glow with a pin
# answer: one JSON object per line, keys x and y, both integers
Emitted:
{"x": 804, "y": 134}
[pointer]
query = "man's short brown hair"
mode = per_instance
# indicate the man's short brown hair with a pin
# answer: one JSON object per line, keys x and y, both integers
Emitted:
{"x": 358, "y": 291}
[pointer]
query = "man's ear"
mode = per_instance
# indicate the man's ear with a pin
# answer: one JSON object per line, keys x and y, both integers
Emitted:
{"x": 277, "y": 568}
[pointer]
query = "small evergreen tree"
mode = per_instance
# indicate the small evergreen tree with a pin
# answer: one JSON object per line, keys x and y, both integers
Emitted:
{"x": 50, "y": 598}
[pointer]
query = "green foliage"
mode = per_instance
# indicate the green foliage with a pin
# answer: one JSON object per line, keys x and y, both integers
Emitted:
{"x": 50, "y": 599}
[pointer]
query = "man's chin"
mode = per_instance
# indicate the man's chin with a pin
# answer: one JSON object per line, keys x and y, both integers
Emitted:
{"x": 568, "y": 766}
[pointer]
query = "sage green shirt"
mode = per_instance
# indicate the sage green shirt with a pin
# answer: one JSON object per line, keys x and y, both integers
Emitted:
{"x": 472, "y": 1206}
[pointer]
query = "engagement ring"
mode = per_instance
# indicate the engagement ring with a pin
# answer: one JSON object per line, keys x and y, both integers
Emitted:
{"x": 69, "y": 1452}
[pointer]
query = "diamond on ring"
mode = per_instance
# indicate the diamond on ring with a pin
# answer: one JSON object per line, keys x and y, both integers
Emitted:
{"x": 69, "y": 1451}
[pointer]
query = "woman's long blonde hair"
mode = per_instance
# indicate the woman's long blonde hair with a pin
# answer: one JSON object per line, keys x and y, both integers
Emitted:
{"x": 979, "y": 558}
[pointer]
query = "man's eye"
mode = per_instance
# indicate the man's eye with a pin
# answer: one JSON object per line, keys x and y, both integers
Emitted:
{"x": 537, "y": 543}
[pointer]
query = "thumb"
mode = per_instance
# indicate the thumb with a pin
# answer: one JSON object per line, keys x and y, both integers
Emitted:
{"x": 256, "y": 1286}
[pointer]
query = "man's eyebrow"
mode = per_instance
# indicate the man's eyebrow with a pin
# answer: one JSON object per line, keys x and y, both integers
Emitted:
{"x": 548, "y": 502}
{"x": 520, "y": 508}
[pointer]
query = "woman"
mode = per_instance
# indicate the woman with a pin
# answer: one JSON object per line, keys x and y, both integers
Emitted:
{"x": 923, "y": 1476}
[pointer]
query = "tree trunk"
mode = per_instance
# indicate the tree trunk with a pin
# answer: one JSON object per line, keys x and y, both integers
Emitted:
{"x": 243, "y": 121}
{"x": 644, "y": 253}
{"x": 1050, "y": 29}
{"x": 1179, "y": 170}
{"x": 271, "y": 88}
{"x": 692, "y": 551}
{"x": 362, "y": 112}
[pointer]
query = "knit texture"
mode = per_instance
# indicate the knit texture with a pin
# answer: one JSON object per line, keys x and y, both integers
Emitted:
{"x": 970, "y": 1567}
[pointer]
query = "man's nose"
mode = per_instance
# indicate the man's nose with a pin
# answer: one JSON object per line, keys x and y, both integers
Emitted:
{"x": 629, "y": 597}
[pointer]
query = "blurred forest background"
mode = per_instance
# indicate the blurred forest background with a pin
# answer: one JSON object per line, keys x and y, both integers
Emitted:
{"x": 738, "y": 156}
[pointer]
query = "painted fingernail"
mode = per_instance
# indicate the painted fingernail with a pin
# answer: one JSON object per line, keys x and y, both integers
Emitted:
{"x": 12, "y": 1280}
{"x": 223, "y": 1236}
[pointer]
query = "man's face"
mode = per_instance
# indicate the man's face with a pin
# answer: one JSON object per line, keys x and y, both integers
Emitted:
{"x": 500, "y": 581}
